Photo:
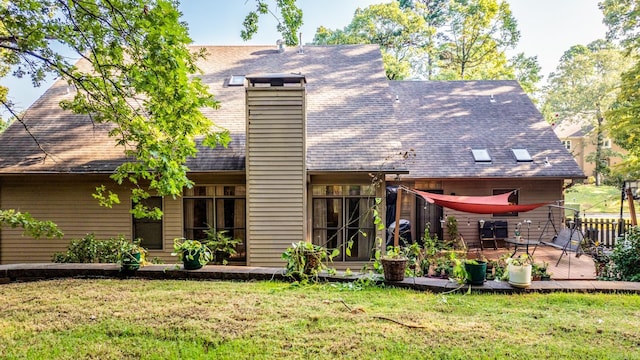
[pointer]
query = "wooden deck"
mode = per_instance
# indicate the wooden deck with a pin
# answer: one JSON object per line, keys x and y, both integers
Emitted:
{"x": 569, "y": 268}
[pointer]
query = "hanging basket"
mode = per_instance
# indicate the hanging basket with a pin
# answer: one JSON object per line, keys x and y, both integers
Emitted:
{"x": 394, "y": 269}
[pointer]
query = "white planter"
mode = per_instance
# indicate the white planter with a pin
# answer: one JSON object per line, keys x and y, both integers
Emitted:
{"x": 519, "y": 275}
{"x": 518, "y": 238}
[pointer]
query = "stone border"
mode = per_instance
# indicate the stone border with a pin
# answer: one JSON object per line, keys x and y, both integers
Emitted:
{"x": 45, "y": 271}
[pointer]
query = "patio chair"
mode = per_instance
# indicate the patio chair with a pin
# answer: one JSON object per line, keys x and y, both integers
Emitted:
{"x": 486, "y": 233}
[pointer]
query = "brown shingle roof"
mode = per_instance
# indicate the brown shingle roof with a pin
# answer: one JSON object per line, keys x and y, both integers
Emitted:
{"x": 443, "y": 120}
{"x": 347, "y": 100}
{"x": 353, "y": 122}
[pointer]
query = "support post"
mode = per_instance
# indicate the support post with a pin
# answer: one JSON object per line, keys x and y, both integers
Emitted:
{"x": 396, "y": 230}
{"x": 632, "y": 208}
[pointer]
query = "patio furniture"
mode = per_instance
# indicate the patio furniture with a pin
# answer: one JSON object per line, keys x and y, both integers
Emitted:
{"x": 492, "y": 231}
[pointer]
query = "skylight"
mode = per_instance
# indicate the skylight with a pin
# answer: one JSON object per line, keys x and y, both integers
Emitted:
{"x": 522, "y": 155}
{"x": 481, "y": 155}
{"x": 236, "y": 80}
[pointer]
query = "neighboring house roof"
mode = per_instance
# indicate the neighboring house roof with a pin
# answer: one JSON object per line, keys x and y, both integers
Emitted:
{"x": 573, "y": 129}
{"x": 443, "y": 120}
{"x": 353, "y": 121}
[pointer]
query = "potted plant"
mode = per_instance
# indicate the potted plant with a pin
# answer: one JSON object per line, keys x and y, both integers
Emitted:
{"x": 476, "y": 271}
{"x": 192, "y": 253}
{"x": 394, "y": 263}
{"x": 305, "y": 259}
{"x": 130, "y": 254}
{"x": 542, "y": 271}
{"x": 222, "y": 246}
{"x": 517, "y": 232}
{"x": 519, "y": 270}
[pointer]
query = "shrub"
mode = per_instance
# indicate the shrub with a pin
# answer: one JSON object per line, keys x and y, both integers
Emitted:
{"x": 625, "y": 259}
{"x": 90, "y": 250}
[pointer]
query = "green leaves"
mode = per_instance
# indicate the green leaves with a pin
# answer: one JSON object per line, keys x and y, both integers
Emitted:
{"x": 32, "y": 227}
{"x": 137, "y": 73}
{"x": 289, "y": 21}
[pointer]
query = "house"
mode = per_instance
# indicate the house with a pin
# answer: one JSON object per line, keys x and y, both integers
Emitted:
{"x": 311, "y": 127}
{"x": 580, "y": 139}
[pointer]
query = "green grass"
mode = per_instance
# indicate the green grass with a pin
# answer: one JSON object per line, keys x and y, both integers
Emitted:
{"x": 595, "y": 199}
{"x": 132, "y": 319}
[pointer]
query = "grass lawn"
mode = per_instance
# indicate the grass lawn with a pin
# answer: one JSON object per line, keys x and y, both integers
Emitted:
{"x": 595, "y": 199}
{"x": 132, "y": 319}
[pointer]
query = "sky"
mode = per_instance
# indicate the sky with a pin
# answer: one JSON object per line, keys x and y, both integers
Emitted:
{"x": 547, "y": 27}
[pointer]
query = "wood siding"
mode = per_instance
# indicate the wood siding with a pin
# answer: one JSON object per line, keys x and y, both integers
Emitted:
{"x": 530, "y": 191}
{"x": 276, "y": 172}
{"x": 65, "y": 200}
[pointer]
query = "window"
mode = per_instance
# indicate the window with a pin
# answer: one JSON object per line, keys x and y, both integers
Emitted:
{"x": 481, "y": 155}
{"x": 606, "y": 143}
{"x": 149, "y": 230}
{"x": 219, "y": 207}
{"x": 342, "y": 214}
{"x": 567, "y": 144}
{"x": 513, "y": 200}
{"x": 236, "y": 80}
{"x": 521, "y": 155}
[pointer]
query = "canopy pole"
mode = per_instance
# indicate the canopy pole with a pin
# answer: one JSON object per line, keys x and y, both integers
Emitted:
{"x": 396, "y": 230}
{"x": 632, "y": 208}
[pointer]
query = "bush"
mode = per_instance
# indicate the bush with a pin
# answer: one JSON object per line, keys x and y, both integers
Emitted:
{"x": 624, "y": 261}
{"x": 90, "y": 250}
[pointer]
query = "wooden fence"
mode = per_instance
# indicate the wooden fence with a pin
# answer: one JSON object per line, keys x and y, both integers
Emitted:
{"x": 605, "y": 231}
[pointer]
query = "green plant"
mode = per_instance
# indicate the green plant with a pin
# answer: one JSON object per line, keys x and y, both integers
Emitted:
{"x": 455, "y": 239}
{"x": 191, "y": 250}
{"x": 222, "y": 246}
{"x": 523, "y": 259}
{"x": 624, "y": 262}
{"x": 540, "y": 270}
{"x": 395, "y": 252}
{"x": 305, "y": 260}
{"x": 130, "y": 254}
{"x": 90, "y": 250}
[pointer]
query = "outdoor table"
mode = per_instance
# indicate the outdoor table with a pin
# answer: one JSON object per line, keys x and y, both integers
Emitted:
{"x": 521, "y": 242}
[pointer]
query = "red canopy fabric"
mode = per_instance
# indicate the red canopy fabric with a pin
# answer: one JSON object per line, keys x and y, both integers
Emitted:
{"x": 496, "y": 204}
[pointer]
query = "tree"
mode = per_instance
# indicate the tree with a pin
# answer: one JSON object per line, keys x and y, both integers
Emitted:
{"x": 441, "y": 40}
{"x": 434, "y": 14}
{"x": 583, "y": 87}
{"x": 287, "y": 26}
{"x": 139, "y": 79}
{"x": 621, "y": 16}
{"x": 400, "y": 33}
{"x": 479, "y": 31}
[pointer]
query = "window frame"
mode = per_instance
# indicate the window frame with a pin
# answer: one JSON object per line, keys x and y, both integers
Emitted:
{"x": 344, "y": 229}
{"x": 218, "y": 192}
{"x": 135, "y": 222}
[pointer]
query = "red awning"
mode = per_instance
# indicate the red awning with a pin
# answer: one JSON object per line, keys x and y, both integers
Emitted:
{"x": 496, "y": 204}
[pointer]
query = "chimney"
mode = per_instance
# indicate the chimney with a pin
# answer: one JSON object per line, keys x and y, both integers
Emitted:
{"x": 280, "y": 45}
{"x": 275, "y": 165}
{"x": 300, "y": 48}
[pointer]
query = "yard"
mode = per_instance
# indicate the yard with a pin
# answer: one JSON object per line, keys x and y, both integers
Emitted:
{"x": 122, "y": 319}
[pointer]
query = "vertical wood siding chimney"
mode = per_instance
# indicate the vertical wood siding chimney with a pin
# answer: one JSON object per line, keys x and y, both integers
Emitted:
{"x": 275, "y": 166}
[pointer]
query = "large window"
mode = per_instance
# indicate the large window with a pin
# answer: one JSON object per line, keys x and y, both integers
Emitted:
{"x": 343, "y": 214}
{"x": 149, "y": 230}
{"x": 219, "y": 207}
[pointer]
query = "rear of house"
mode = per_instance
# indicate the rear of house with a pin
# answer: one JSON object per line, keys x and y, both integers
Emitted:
{"x": 310, "y": 130}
